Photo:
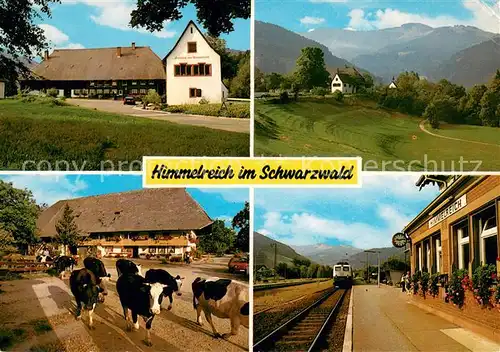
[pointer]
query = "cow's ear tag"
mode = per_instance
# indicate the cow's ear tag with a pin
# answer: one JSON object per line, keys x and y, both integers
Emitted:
{"x": 85, "y": 285}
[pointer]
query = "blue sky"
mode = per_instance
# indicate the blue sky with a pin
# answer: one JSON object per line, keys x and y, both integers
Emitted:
{"x": 219, "y": 203}
{"x": 306, "y": 15}
{"x": 365, "y": 217}
{"x": 104, "y": 23}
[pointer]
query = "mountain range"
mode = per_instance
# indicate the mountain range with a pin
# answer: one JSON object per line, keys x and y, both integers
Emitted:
{"x": 319, "y": 253}
{"x": 463, "y": 54}
{"x": 264, "y": 251}
{"x": 277, "y": 49}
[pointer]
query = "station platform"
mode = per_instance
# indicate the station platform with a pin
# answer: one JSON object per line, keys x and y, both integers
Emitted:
{"x": 383, "y": 319}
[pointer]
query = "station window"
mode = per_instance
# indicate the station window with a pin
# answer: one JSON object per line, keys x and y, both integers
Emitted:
{"x": 462, "y": 244}
{"x": 336, "y": 85}
{"x": 486, "y": 224}
{"x": 436, "y": 254}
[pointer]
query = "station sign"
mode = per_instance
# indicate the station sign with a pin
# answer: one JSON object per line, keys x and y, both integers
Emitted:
{"x": 449, "y": 210}
{"x": 399, "y": 240}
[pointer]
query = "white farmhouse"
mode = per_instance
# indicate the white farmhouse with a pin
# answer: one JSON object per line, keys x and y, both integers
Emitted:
{"x": 346, "y": 80}
{"x": 194, "y": 70}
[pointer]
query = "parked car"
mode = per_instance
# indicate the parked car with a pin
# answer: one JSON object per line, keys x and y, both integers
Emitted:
{"x": 128, "y": 100}
{"x": 238, "y": 264}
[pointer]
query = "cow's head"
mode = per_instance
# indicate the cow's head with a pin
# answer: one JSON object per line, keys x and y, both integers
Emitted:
{"x": 91, "y": 296}
{"x": 155, "y": 296}
{"x": 103, "y": 290}
{"x": 178, "y": 281}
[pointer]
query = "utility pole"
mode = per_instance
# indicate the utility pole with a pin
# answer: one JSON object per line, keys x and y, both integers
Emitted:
{"x": 378, "y": 264}
{"x": 367, "y": 269}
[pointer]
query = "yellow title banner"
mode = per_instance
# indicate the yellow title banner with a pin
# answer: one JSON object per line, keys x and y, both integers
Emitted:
{"x": 275, "y": 172}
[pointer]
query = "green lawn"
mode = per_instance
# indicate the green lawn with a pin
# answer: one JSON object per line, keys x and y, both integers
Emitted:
{"x": 323, "y": 127}
{"x": 37, "y": 132}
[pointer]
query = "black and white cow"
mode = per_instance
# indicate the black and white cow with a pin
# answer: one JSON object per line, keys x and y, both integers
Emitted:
{"x": 224, "y": 298}
{"x": 83, "y": 284}
{"x": 142, "y": 298}
{"x": 97, "y": 267}
{"x": 43, "y": 258}
{"x": 64, "y": 263}
{"x": 173, "y": 284}
{"x": 125, "y": 266}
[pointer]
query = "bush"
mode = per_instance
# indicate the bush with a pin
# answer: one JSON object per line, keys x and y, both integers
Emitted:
{"x": 284, "y": 97}
{"x": 320, "y": 91}
{"x": 415, "y": 279}
{"x": 434, "y": 288}
{"x": 233, "y": 110}
{"x": 152, "y": 98}
{"x": 338, "y": 96}
{"x": 203, "y": 101}
{"x": 424, "y": 283}
{"x": 455, "y": 291}
{"x": 483, "y": 279}
{"x": 52, "y": 92}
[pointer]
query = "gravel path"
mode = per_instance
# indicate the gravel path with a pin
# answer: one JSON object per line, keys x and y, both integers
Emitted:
{"x": 176, "y": 330}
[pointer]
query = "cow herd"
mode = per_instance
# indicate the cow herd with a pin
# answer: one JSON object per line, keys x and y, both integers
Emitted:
{"x": 142, "y": 296}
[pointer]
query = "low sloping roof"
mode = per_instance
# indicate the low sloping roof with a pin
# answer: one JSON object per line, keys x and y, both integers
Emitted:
{"x": 163, "y": 209}
{"x": 347, "y": 74}
{"x": 101, "y": 64}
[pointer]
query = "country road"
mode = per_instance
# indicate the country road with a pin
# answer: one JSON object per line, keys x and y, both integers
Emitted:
{"x": 44, "y": 297}
{"x": 117, "y": 107}
{"x": 423, "y": 129}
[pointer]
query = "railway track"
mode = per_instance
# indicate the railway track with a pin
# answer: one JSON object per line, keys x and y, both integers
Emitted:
{"x": 305, "y": 330}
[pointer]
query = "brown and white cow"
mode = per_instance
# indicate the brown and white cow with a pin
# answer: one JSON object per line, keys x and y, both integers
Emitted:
{"x": 224, "y": 298}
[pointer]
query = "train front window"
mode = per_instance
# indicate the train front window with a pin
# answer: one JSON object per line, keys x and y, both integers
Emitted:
{"x": 337, "y": 268}
{"x": 345, "y": 268}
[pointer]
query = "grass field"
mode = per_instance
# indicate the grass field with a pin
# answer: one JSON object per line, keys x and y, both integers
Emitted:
{"x": 41, "y": 132}
{"x": 388, "y": 139}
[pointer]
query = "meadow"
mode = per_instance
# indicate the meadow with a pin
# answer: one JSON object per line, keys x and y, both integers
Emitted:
{"x": 389, "y": 140}
{"x": 47, "y": 132}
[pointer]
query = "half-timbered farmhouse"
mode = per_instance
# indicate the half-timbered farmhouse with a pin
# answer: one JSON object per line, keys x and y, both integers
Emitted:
{"x": 146, "y": 223}
{"x": 99, "y": 73}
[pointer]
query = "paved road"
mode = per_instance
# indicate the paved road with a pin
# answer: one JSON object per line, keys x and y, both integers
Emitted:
{"x": 176, "y": 330}
{"x": 383, "y": 320}
{"x": 423, "y": 129}
{"x": 218, "y": 123}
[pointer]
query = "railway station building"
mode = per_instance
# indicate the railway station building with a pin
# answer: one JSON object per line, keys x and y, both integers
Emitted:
{"x": 150, "y": 223}
{"x": 458, "y": 230}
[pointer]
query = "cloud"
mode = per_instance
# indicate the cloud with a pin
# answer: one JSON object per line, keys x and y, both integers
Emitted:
{"x": 306, "y": 229}
{"x": 390, "y": 188}
{"x": 232, "y": 195}
{"x": 48, "y": 189}
{"x": 483, "y": 16}
{"x": 57, "y": 38}
{"x": 116, "y": 14}
{"x": 308, "y": 20}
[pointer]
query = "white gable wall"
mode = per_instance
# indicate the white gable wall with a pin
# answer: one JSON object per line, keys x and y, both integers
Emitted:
{"x": 338, "y": 85}
{"x": 178, "y": 87}
{"x": 392, "y": 85}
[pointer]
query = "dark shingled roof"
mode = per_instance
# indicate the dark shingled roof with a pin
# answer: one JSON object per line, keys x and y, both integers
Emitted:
{"x": 101, "y": 65}
{"x": 347, "y": 74}
{"x": 145, "y": 210}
